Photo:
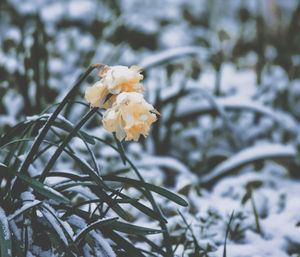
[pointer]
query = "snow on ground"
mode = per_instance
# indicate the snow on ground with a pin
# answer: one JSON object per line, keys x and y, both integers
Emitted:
{"x": 277, "y": 204}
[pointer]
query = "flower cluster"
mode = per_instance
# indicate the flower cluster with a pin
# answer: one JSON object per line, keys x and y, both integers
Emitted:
{"x": 119, "y": 92}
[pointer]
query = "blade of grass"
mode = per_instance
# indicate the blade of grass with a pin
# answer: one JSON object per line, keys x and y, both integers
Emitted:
{"x": 154, "y": 247}
{"x": 98, "y": 180}
{"x": 258, "y": 229}
{"x": 80, "y": 135}
{"x": 166, "y": 236}
{"x": 26, "y": 241}
{"x": 94, "y": 225}
{"x": 62, "y": 227}
{"x": 125, "y": 199}
{"x": 227, "y": 233}
{"x": 41, "y": 188}
{"x": 130, "y": 249}
{"x": 146, "y": 210}
{"x": 16, "y": 130}
{"x": 137, "y": 183}
{"x": 24, "y": 209}
{"x": 65, "y": 142}
{"x": 196, "y": 245}
{"x": 133, "y": 229}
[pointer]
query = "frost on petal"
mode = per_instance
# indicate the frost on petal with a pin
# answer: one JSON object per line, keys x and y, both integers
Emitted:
{"x": 123, "y": 79}
{"x": 96, "y": 94}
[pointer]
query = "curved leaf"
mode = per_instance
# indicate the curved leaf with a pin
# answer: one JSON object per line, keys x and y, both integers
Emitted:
{"x": 188, "y": 111}
{"x": 248, "y": 155}
{"x": 94, "y": 225}
{"x": 171, "y": 54}
{"x": 130, "y": 249}
{"x": 37, "y": 186}
{"x": 137, "y": 183}
{"x": 24, "y": 208}
{"x": 133, "y": 229}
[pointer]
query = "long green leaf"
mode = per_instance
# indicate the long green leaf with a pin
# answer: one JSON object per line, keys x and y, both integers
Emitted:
{"x": 100, "y": 192}
{"x": 37, "y": 186}
{"x": 146, "y": 210}
{"x": 64, "y": 143}
{"x": 68, "y": 126}
{"x": 125, "y": 199}
{"x": 61, "y": 229}
{"x": 16, "y": 130}
{"x": 24, "y": 209}
{"x": 133, "y": 229}
{"x": 137, "y": 183}
{"x": 227, "y": 233}
{"x": 148, "y": 194}
{"x": 5, "y": 238}
{"x": 94, "y": 225}
{"x": 130, "y": 249}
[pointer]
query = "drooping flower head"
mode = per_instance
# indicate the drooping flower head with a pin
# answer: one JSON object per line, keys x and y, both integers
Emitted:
{"x": 130, "y": 116}
{"x": 119, "y": 92}
{"x": 114, "y": 80}
{"x": 96, "y": 94}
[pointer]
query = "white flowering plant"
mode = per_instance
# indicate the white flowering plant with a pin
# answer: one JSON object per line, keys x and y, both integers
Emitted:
{"x": 79, "y": 211}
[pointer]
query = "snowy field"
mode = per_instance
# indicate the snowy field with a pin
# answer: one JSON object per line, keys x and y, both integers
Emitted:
{"x": 219, "y": 173}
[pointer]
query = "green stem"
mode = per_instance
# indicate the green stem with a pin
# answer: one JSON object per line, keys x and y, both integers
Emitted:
{"x": 166, "y": 236}
{"x": 49, "y": 122}
{"x": 258, "y": 229}
{"x": 64, "y": 144}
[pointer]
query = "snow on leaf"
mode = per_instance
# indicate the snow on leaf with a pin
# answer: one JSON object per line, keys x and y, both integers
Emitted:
{"x": 5, "y": 240}
{"x": 253, "y": 153}
{"x": 171, "y": 54}
{"x": 185, "y": 109}
{"x": 62, "y": 228}
{"x": 92, "y": 226}
{"x": 23, "y": 209}
{"x": 165, "y": 161}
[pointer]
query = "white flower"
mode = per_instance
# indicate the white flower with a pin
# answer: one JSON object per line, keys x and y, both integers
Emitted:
{"x": 96, "y": 94}
{"x": 130, "y": 116}
{"x": 114, "y": 80}
{"x": 123, "y": 79}
{"x": 127, "y": 112}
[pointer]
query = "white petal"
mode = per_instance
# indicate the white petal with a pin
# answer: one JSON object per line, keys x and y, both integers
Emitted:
{"x": 143, "y": 117}
{"x": 128, "y": 118}
{"x": 120, "y": 133}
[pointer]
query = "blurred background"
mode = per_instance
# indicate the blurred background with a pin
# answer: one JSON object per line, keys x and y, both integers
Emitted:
{"x": 225, "y": 76}
{"x": 199, "y": 58}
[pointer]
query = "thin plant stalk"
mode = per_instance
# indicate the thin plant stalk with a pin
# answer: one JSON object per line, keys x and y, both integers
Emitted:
{"x": 166, "y": 236}
{"x": 227, "y": 233}
{"x": 47, "y": 126}
{"x": 64, "y": 144}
